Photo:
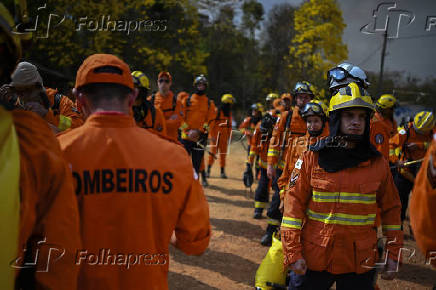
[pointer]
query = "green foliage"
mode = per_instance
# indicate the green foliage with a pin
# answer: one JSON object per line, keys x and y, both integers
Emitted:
{"x": 149, "y": 35}
{"x": 317, "y": 45}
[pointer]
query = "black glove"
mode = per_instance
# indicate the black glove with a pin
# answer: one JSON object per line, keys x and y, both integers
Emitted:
{"x": 248, "y": 176}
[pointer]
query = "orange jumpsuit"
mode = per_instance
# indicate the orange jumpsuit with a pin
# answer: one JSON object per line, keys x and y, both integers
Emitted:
{"x": 329, "y": 217}
{"x": 199, "y": 111}
{"x": 247, "y": 127}
{"x": 65, "y": 115}
{"x": 134, "y": 189}
{"x": 296, "y": 128}
{"x": 422, "y": 206}
{"x": 381, "y": 131}
{"x": 48, "y": 207}
{"x": 259, "y": 147}
{"x": 172, "y": 110}
{"x": 219, "y": 134}
{"x": 295, "y": 150}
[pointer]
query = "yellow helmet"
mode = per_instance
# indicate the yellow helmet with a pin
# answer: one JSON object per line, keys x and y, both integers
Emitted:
{"x": 314, "y": 108}
{"x": 424, "y": 121}
{"x": 140, "y": 79}
{"x": 271, "y": 97}
{"x": 227, "y": 99}
{"x": 351, "y": 96}
{"x": 324, "y": 107}
{"x": 386, "y": 101}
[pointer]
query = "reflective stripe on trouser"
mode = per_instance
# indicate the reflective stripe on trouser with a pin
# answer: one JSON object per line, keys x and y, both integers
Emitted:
{"x": 343, "y": 197}
{"x": 341, "y": 218}
{"x": 273, "y": 153}
{"x": 262, "y": 193}
{"x": 273, "y": 222}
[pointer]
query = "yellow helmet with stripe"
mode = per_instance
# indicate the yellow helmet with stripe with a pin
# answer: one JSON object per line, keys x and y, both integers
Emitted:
{"x": 140, "y": 79}
{"x": 424, "y": 122}
{"x": 386, "y": 101}
{"x": 351, "y": 96}
{"x": 227, "y": 99}
{"x": 271, "y": 97}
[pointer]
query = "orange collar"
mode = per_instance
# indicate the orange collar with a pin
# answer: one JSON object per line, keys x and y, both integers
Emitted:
{"x": 110, "y": 120}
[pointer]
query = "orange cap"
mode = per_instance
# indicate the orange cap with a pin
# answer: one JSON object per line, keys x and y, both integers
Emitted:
{"x": 165, "y": 74}
{"x": 88, "y": 72}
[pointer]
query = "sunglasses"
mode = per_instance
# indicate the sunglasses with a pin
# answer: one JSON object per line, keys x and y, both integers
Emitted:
{"x": 164, "y": 81}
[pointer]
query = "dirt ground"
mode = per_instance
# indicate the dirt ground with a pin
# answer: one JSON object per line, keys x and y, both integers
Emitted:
{"x": 235, "y": 253}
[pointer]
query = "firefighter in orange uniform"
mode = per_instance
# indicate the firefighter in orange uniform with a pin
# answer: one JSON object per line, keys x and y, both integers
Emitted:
{"x": 198, "y": 112}
{"x": 327, "y": 229}
{"x": 315, "y": 115}
{"x": 167, "y": 102}
{"x": 410, "y": 144}
{"x": 289, "y": 122}
{"x": 383, "y": 125}
{"x": 220, "y": 133}
{"x": 36, "y": 189}
{"x": 58, "y": 110}
{"x": 146, "y": 115}
{"x": 259, "y": 147}
{"x": 423, "y": 204}
{"x": 249, "y": 124}
{"x": 134, "y": 188}
{"x": 65, "y": 113}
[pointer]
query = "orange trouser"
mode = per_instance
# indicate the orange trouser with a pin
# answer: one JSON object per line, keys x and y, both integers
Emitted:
{"x": 220, "y": 144}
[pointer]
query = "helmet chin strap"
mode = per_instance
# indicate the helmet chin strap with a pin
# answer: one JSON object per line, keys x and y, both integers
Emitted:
{"x": 353, "y": 137}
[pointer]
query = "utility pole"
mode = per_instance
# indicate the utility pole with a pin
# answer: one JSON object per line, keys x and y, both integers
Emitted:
{"x": 382, "y": 64}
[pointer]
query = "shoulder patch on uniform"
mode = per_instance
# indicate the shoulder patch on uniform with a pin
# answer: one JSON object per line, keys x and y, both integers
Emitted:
{"x": 379, "y": 138}
{"x": 298, "y": 164}
{"x": 294, "y": 177}
{"x": 402, "y": 132}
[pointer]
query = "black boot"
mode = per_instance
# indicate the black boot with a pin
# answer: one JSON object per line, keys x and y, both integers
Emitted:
{"x": 267, "y": 238}
{"x": 204, "y": 179}
{"x": 223, "y": 174}
{"x": 258, "y": 213}
{"x": 208, "y": 171}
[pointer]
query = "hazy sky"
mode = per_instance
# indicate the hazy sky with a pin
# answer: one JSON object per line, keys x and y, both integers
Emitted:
{"x": 414, "y": 51}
